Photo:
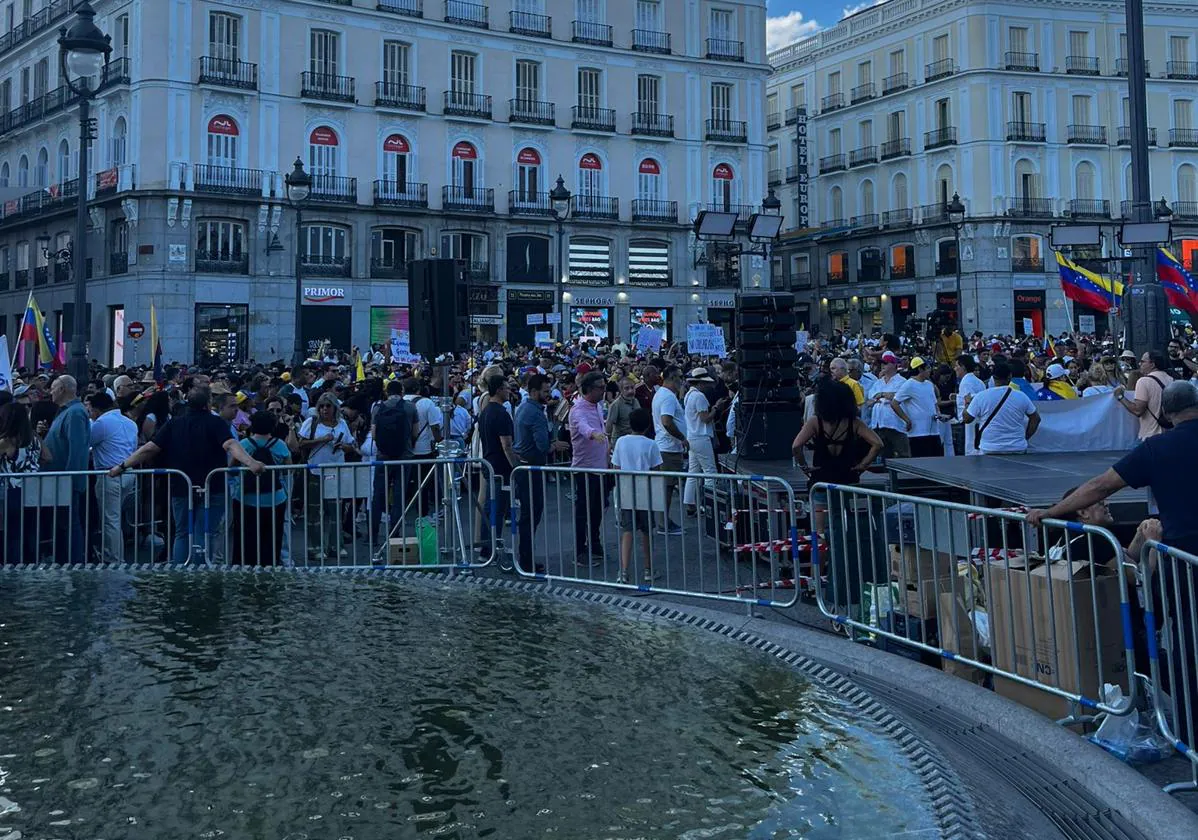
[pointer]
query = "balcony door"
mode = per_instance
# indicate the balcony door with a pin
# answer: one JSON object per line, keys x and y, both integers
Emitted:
{"x": 590, "y": 181}
{"x": 325, "y": 58}
{"x": 396, "y": 58}
{"x": 648, "y": 180}
{"x": 464, "y": 162}
{"x": 396, "y": 149}
{"x": 224, "y": 38}
{"x": 222, "y": 150}
{"x": 723, "y": 188}
{"x": 528, "y": 176}
{"x": 323, "y": 150}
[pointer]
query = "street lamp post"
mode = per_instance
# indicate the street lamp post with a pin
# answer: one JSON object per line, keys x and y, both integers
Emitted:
{"x": 771, "y": 206}
{"x": 560, "y": 203}
{"x": 956, "y": 216}
{"x": 83, "y": 52}
{"x": 299, "y": 186}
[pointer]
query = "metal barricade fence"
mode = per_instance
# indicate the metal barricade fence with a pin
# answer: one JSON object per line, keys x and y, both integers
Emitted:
{"x": 1171, "y": 609}
{"x": 1045, "y": 610}
{"x": 630, "y": 529}
{"x": 88, "y": 516}
{"x": 435, "y": 514}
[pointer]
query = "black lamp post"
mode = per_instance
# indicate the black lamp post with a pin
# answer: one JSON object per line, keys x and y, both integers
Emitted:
{"x": 560, "y": 203}
{"x": 299, "y": 186}
{"x": 83, "y": 52}
{"x": 956, "y": 216}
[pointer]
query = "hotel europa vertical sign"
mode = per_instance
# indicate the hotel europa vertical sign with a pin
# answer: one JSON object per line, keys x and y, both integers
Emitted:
{"x": 803, "y": 210}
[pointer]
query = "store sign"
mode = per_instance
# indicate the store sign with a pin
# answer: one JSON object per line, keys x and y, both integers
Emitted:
{"x": 1025, "y": 300}
{"x": 650, "y": 167}
{"x": 529, "y": 296}
{"x": 723, "y": 172}
{"x": 721, "y": 303}
{"x": 946, "y": 300}
{"x": 482, "y": 294}
{"x": 590, "y": 161}
{"x": 590, "y": 325}
{"x": 397, "y": 143}
{"x": 323, "y": 136}
{"x": 465, "y": 151}
{"x": 838, "y": 305}
{"x": 529, "y": 157}
{"x": 221, "y": 124}
{"x": 486, "y": 320}
{"x": 326, "y": 295}
{"x": 803, "y": 220}
{"x": 871, "y": 303}
{"x": 594, "y": 300}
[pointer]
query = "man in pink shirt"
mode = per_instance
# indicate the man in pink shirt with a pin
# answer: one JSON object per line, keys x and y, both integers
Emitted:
{"x": 589, "y": 441}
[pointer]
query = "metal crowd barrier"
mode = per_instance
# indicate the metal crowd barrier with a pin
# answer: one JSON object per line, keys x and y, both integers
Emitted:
{"x": 1171, "y": 608}
{"x": 435, "y": 514}
{"x": 631, "y": 530}
{"x": 1044, "y": 611}
{"x": 141, "y": 516}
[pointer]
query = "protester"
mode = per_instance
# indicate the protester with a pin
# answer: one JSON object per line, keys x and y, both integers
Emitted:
{"x": 258, "y": 511}
{"x": 428, "y": 422}
{"x": 532, "y": 446}
{"x": 636, "y": 453}
{"x": 66, "y": 448}
{"x": 839, "y": 369}
{"x": 20, "y": 453}
{"x": 324, "y": 440}
{"x": 1057, "y": 385}
{"x": 1149, "y": 389}
{"x": 669, "y": 424}
{"x": 915, "y": 404}
{"x": 496, "y": 431}
{"x": 113, "y": 439}
{"x": 844, "y": 445}
{"x": 700, "y": 434}
{"x": 589, "y": 444}
{"x": 890, "y": 429}
{"x": 1003, "y": 419}
{"x": 619, "y": 412}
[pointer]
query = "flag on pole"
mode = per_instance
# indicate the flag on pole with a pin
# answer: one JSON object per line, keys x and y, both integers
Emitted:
{"x": 1180, "y": 286}
{"x": 35, "y": 328}
{"x": 1086, "y": 287}
{"x": 360, "y": 376}
{"x": 5, "y": 365}
{"x": 155, "y": 344}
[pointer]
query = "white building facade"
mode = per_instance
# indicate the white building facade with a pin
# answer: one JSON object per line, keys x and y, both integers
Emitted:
{"x": 1020, "y": 107}
{"x": 432, "y": 128}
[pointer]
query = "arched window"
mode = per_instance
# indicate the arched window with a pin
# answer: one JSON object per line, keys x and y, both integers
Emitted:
{"x": 222, "y": 141}
{"x": 465, "y": 164}
{"x": 944, "y": 184}
{"x": 4, "y": 174}
{"x": 898, "y": 188}
{"x": 835, "y": 206}
{"x": 118, "y": 152}
{"x": 43, "y": 167}
{"x": 528, "y": 175}
{"x": 1083, "y": 181}
{"x": 322, "y": 152}
{"x": 1026, "y": 185}
{"x": 867, "y": 198}
{"x": 64, "y": 161}
{"x": 723, "y": 187}
{"x": 590, "y": 175}
{"x": 648, "y": 180}
{"x": 23, "y": 171}
{"x": 396, "y": 149}
{"x": 1187, "y": 187}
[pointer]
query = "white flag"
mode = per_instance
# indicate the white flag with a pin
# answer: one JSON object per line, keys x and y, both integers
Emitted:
{"x": 5, "y": 365}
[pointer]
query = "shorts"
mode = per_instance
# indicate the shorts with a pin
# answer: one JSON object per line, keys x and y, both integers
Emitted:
{"x": 634, "y": 520}
{"x": 672, "y": 462}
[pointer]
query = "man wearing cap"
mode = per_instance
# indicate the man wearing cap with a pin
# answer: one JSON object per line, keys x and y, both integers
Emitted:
{"x": 839, "y": 369}
{"x": 700, "y": 432}
{"x": 915, "y": 405}
{"x": 1001, "y": 420}
{"x": 884, "y": 421}
{"x": 1057, "y": 385}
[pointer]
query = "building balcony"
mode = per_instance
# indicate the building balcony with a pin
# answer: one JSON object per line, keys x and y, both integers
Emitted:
{"x": 119, "y": 71}
{"x": 773, "y": 177}
{"x": 21, "y": 277}
{"x": 221, "y": 263}
{"x": 527, "y": 23}
{"x": 402, "y": 97}
{"x": 792, "y": 115}
{"x": 651, "y": 41}
{"x": 863, "y": 93}
{"x": 592, "y": 119}
{"x": 323, "y": 265}
{"x": 866, "y": 220}
{"x": 947, "y": 267}
{"x": 116, "y": 179}
{"x": 1123, "y": 136}
{"x": 335, "y": 189}
{"x": 327, "y": 87}
{"x": 1024, "y": 207}
{"x": 722, "y": 49}
{"x": 938, "y": 138}
{"x": 524, "y": 203}
{"x": 652, "y": 210}
{"x": 1025, "y": 61}
{"x": 800, "y": 280}
{"x": 743, "y": 211}
{"x": 773, "y": 121}
{"x": 466, "y": 14}
{"x": 118, "y": 263}
{"x": 832, "y": 163}
{"x": 1026, "y": 132}
{"x": 899, "y": 147}
{"x": 939, "y": 69}
{"x": 228, "y": 180}
{"x": 1122, "y": 67}
{"x": 407, "y": 8}
{"x": 475, "y": 106}
{"x": 226, "y": 72}
{"x": 896, "y": 218}
{"x": 588, "y": 32}
{"x": 1081, "y": 65}
{"x": 895, "y": 83}
{"x": 598, "y": 207}
{"x": 60, "y": 272}
{"x": 933, "y": 214}
{"x": 1027, "y": 265}
{"x": 531, "y": 112}
{"x": 719, "y": 277}
{"x": 397, "y": 194}
{"x": 1181, "y": 69}
{"x": 41, "y": 275}
{"x": 838, "y": 276}
{"x": 388, "y": 268}
{"x": 653, "y": 125}
{"x": 902, "y": 272}
{"x": 792, "y": 173}
{"x": 468, "y": 199}
{"x": 832, "y": 102}
{"x": 1086, "y": 135}
{"x": 36, "y": 22}
{"x": 1090, "y": 208}
{"x": 1185, "y": 210}
{"x": 727, "y": 131}
{"x": 864, "y": 155}
{"x": 1183, "y": 138}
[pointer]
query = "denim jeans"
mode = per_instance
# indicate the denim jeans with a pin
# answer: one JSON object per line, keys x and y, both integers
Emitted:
{"x": 202, "y": 521}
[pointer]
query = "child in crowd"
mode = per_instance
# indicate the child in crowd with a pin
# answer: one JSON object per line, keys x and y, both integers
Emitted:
{"x": 636, "y": 496}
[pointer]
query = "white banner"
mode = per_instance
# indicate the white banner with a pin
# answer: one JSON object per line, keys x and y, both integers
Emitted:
{"x": 705, "y": 340}
{"x": 5, "y": 365}
{"x": 1090, "y": 424}
{"x": 533, "y": 320}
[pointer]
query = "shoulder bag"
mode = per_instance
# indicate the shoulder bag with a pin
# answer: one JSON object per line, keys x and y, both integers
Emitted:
{"x": 978, "y": 430}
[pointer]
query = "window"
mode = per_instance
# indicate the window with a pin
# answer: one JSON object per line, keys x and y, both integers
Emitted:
{"x": 1123, "y": 46}
{"x": 120, "y": 37}
{"x": 1025, "y": 253}
{"x": 865, "y": 133}
{"x": 26, "y": 78}
{"x": 771, "y": 105}
{"x": 834, "y": 147}
{"x": 528, "y": 175}
{"x": 898, "y": 61}
{"x": 464, "y": 163}
{"x": 325, "y": 52}
{"x": 648, "y": 15}
{"x": 721, "y": 103}
{"x": 322, "y": 152}
{"x": 325, "y": 245}
{"x": 774, "y": 159}
{"x": 865, "y": 72}
{"x": 23, "y": 171}
{"x": 590, "y": 261}
{"x": 940, "y": 48}
{"x": 6, "y": 96}
{"x": 590, "y": 176}
{"x": 898, "y": 189}
{"x": 219, "y": 241}
{"x": 896, "y": 125}
{"x": 4, "y": 174}
{"x": 462, "y": 69}
{"x": 944, "y": 183}
{"x": 648, "y": 180}
{"x": 1179, "y": 48}
{"x": 798, "y": 95}
{"x": 391, "y": 249}
{"x": 22, "y": 256}
{"x": 118, "y": 151}
{"x": 838, "y": 267}
{"x": 1021, "y": 106}
{"x": 724, "y": 187}
{"x": 1079, "y": 44}
{"x": 902, "y": 261}
{"x": 41, "y": 78}
{"x": 528, "y": 81}
{"x": 222, "y": 141}
{"x": 222, "y": 334}
{"x": 648, "y": 95}
{"x": 590, "y": 88}
{"x": 589, "y": 11}
{"x": 1183, "y": 113}
{"x": 1084, "y": 181}
{"x": 833, "y": 82}
{"x": 1187, "y": 184}
{"x": 42, "y": 173}
{"x": 943, "y": 111}
{"x": 118, "y": 237}
{"x": 471, "y": 247}
{"x": 648, "y": 263}
{"x": 723, "y": 25}
{"x": 1081, "y": 110}
{"x": 528, "y": 259}
{"x": 867, "y": 198}
{"x": 396, "y": 149}
{"x": 1017, "y": 39}
{"x": 396, "y": 57}
{"x": 64, "y": 162}
{"x": 1026, "y": 182}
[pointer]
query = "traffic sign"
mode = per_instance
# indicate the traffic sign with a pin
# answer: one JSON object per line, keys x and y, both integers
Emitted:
{"x": 136, "y": 330}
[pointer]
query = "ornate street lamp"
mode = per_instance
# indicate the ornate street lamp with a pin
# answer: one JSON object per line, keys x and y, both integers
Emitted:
{"x": 299, "y": 187}
{"x": 560, "y": 204}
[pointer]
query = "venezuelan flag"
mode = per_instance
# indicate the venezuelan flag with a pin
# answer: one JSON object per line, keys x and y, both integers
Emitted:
{"x": 35, "y": 328}
{"x": 156, "y": 344}
{"x": 1087, "y": 288}
{"x": 1180, "y": 286}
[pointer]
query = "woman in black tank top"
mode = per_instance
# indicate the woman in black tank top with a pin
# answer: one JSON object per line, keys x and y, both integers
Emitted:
{"x": 844, "y": 446}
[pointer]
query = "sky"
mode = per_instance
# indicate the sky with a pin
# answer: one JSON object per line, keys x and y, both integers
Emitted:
{"x": 790, "y": 20}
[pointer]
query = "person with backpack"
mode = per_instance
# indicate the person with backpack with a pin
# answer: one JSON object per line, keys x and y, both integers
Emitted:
{"x": 393, "y": 434}
{"x": 1149, "y": 388}
{"x": 258, "y": 520}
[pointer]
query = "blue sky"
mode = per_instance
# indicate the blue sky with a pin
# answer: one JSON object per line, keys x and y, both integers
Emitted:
{"x": 790, "y": 20}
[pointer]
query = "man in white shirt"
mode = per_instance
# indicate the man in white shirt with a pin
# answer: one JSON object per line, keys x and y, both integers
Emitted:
{"x": 113, "y": 439}
{"x": 1005, "y": 416}
{"x": 700, "y": 432}
{"x": 884, "y": 421}
{"x": 669, "y": 425}
{"x": 968, "y": 387}
{"x": 915, "y": 405}
{"x": 426, "y": 435}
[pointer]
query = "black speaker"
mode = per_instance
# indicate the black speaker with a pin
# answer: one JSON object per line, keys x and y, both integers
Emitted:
{"x": 765, "y": 302}
{"x": 438, "y": 307}
{"x": 765, "y": 431}
{"x": 1147, "y": 314}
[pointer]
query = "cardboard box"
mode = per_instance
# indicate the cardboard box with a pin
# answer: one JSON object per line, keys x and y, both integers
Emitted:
{"x": 915, "y": 629}
{"x": 403, "y": 551}
{"x": 1052, "y": 623}
{"x": 1051, "y": 706}
{"x": 910, "y": 564}
{"x": 957, "y": 635}
{"x": 920, "y": 601}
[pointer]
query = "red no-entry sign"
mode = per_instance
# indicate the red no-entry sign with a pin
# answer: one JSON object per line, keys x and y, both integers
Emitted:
{"x": 136, "y": 330}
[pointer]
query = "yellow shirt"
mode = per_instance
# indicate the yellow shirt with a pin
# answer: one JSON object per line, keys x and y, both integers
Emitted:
{"x": 949, "y": 347}
{"x": 855, "y": 386}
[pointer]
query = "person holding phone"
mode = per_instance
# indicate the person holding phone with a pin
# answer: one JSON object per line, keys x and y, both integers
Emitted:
{"x": 324, "y": 440}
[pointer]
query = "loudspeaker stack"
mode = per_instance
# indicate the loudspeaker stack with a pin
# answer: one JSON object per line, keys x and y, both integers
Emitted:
{"x": 770, "y": 411}
{"x": 438, "y": 307}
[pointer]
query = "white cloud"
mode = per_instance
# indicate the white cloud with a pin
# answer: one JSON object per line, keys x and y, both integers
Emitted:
{"x": 786, "y": 29}
{"x": 852, "y": 10}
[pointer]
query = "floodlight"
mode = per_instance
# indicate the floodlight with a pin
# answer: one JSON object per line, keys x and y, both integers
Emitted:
{"x": 1076, "y": 235}
{"x": 1145, "y": 233}
{"x": 764, "y": 226}
{"x": 710, "y": 224}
